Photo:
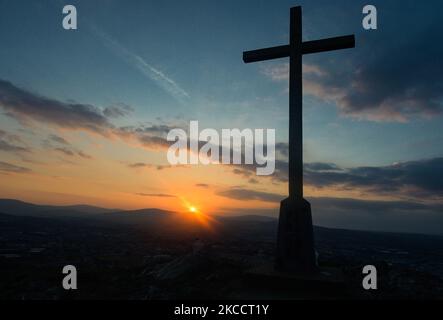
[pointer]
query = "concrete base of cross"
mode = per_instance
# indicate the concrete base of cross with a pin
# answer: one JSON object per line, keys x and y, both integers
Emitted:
{"x": 295, "y": 240}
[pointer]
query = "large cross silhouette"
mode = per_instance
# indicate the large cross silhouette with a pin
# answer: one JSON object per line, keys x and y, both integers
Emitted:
{"x": 295, "y": 248}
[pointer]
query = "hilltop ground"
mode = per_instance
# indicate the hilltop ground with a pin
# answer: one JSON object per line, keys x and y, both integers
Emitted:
{"x": 152, "y": 254}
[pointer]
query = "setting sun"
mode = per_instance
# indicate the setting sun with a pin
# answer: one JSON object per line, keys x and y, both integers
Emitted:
{"x": 192, "y": 209}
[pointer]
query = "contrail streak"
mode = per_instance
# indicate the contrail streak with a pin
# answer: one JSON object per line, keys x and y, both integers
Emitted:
{"x": 162, "y": 80}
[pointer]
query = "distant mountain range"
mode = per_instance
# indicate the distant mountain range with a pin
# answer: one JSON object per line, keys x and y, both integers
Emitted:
{"x": 162, "y": 221}
{"x": 152, "y": 220}
{"x": 170, "y": 222}
{"x": 21, "y": 208}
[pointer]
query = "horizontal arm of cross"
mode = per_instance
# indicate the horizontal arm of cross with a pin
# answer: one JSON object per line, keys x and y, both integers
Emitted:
{"x": 266, "y": 54}
{"x": 330, "y": 44}
{"x": 308, "y": 47}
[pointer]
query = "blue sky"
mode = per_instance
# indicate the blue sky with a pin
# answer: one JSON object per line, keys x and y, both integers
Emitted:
{"x": 198, "y": 45}
{"x": 170, "y": 62}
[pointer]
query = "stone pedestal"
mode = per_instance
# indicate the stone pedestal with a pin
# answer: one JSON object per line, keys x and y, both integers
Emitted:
{"x": 294, "y": 273}
{"x": 295, "y": 241}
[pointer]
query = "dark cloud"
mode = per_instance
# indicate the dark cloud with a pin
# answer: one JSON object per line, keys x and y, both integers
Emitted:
{"x": 281, "y": 148}
{"x": 320, "y": 166}
{"x": 250, "y": 171}
{"x": 393, "y": 74}
{"x": 84, "y": 155}
{"x": 153, "y": 141}
{"x": 151, "y": 136}
{"x": 58, "y": 139}
{"x": 247, "y": 195}
{"x": 8, "y": 143}
{"x": 202, "y": 185}
{"x": 140, "y": 165}
{"x": 64, "y": 147}
{"x": 65, "y": 151}
{"x": 400, "y": 82}
{"x": 8, "y": 147}
{"x": 423, "y": 178}
{"x": 26, "y": 106}
{"x": 118, "y": 110}
{"x": 158, "y": 130}
{"x": 245, "y": 170}
{"x": 72, "y": 153}
{"x": 29, "y": 107}
{"x": 12, "y": 168}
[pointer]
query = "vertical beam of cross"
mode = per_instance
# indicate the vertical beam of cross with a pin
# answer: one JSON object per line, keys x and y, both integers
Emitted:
{"x": 295, "y": 107}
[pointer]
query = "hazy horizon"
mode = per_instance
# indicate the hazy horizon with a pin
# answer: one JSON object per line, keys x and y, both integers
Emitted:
{"x": 344, "y": 226}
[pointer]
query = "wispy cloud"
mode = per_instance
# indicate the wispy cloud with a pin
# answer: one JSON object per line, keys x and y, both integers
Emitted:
{"x": 142, "y": 165}
{"x": 12, "y": 168}
{"x": 118, "y": 110}
{"x": 145, "y": 68}
{"x": 202, "y": 185}
{"x": 58, "y": 139}
{"x": 157, "y": 195}
{"x": 247, "y": 195}
{"x": 8, "y": 143}
{"x": 71, "y": 152}
{"x": 9, "y": 147}
{"x": 64, "y": 147}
